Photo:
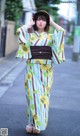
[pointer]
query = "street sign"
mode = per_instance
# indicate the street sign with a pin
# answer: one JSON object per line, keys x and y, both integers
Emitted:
{"x": 76, "y": 47}
{"x": 77, "y": 31}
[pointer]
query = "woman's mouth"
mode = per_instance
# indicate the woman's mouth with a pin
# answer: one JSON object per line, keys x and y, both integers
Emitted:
{"x": 41, "y": 24}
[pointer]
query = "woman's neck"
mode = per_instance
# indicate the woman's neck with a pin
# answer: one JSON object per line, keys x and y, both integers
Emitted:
{"x": 40, "y": 30}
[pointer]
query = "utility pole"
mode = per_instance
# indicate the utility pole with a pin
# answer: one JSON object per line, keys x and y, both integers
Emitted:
{"x": 2, "y": 12}
{"x": 3, "y": 29}
{"x": 76, "y": 47}
{"x": 78, "y": 9}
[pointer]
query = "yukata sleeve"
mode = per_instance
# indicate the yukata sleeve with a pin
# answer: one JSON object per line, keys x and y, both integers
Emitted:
{"x": 24, "y": 44}
{"x": 58, "y": 54}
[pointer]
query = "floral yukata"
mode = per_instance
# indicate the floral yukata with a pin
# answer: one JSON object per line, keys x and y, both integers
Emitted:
{"x": 39, "y": 74}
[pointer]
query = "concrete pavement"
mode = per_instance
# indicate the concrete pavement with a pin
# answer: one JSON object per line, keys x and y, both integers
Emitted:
{"x": 10, "y": 67}
{"x": 64, "y": 114}
{"x": 7, "y": 64}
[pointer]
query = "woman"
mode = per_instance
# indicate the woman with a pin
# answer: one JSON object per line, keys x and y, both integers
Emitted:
{"x": 41, "y": 50}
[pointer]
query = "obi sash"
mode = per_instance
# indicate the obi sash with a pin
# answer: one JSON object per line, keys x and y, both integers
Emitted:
{"x": 41, "y": 52}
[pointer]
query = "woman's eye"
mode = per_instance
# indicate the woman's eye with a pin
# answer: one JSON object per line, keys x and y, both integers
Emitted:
{"x": 44, "y": 19}
{"x": 41, "y": 18}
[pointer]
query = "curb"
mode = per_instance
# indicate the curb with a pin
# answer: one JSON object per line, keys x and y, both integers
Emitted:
{"x": 2, "y": 58}
{"x": 9, "y": 70}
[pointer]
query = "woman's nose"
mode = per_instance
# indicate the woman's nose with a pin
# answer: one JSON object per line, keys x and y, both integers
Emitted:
{"x": 41, "y": 21}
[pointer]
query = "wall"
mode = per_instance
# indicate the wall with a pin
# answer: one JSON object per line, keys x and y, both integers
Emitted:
{"x": 0, "y": 33}
{"x": 11, "y": 38}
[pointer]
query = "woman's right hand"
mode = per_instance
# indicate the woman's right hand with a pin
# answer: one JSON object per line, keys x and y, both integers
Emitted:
{"x": 51, "y": 20}
{"x": 32, "y": 22}
{"x": 18, "y": 31}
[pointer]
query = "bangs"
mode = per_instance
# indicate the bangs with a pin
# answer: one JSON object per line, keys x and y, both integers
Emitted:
{"x": 42, "y": 17}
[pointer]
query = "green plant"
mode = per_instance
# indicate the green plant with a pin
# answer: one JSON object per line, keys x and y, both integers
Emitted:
{"x": 46, "y": 5}
{"x": 13, "y": 10}
{"x": 70, "y": 40}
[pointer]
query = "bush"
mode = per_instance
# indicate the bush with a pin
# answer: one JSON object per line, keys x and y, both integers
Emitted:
{"x": 70, "y": 40}
{"x": 13, "y": 11}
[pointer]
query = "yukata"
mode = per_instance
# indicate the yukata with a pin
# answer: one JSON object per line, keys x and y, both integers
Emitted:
{"x": 39, "y": 74}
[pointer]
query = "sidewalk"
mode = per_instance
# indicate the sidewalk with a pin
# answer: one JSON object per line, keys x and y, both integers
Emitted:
{"x": 7, "y": 64}
{"x": 10, "y": 68}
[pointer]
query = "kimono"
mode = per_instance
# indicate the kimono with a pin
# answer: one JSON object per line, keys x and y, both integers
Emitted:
{"x": 39, "y": 73}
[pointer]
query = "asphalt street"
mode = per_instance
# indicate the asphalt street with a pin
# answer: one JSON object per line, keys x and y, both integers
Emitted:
{"x": 64, "y": 113}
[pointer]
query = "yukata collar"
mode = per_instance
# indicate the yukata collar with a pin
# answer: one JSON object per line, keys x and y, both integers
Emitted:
{"x": 42, "y": 33}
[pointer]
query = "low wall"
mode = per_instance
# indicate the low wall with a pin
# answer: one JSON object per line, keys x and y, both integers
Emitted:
{"x": 0, "y": 33}
{"x": 11, "y": 38}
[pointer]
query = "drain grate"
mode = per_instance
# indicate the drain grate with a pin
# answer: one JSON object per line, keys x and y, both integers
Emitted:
{"x": 4, "y": 84}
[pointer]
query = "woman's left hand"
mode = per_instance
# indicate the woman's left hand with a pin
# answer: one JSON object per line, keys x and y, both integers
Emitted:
{"x": 51, "y": 20}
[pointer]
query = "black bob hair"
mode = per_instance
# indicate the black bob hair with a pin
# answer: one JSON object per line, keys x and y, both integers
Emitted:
{"x": 41, "y": 13}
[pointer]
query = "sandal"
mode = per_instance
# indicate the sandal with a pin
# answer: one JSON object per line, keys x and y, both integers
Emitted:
{"x": 36, "y": 131}
{"x": 29, "y": 129}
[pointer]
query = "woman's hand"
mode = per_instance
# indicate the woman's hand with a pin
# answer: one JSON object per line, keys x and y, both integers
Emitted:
{"x": 51, "y": 21}
{"x": 18, "y": 31}
{"x": 32, "y": 22}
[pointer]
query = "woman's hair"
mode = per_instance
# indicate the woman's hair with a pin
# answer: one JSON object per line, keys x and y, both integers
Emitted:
{"x": 46, "y": 15}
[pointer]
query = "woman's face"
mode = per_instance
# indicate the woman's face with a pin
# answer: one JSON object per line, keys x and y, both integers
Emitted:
{"x": 41, "y": 22}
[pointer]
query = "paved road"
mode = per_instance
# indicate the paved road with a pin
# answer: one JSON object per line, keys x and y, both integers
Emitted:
{"x": 64, "y": 114}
